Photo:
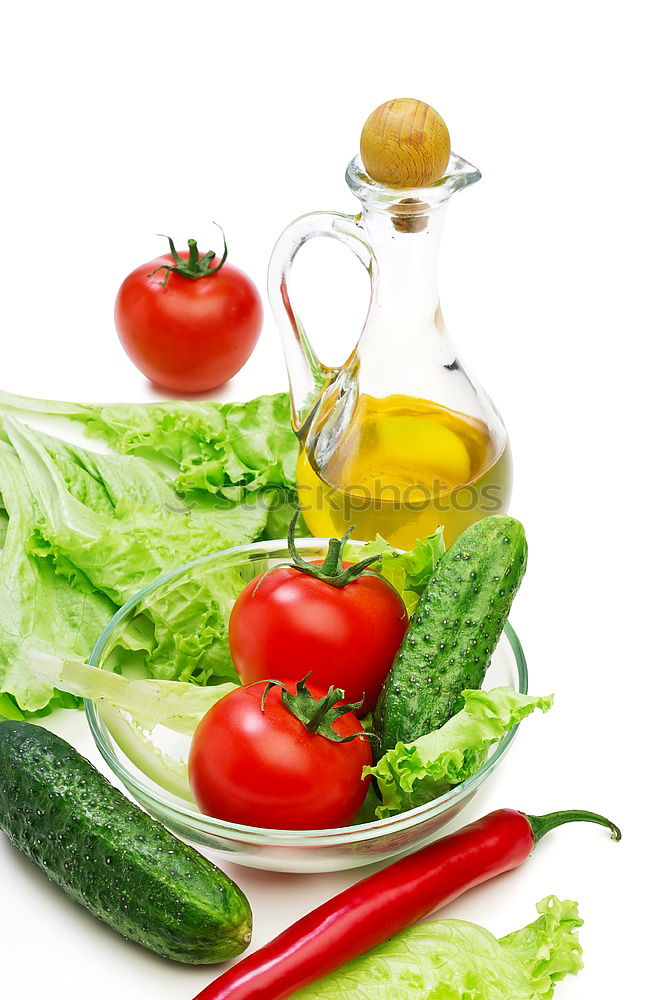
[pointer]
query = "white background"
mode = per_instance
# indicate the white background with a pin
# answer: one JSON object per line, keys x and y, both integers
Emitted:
{"x": 123, "y": 120}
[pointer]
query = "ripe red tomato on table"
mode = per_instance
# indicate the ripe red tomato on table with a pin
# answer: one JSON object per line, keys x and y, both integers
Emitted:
{"x": 294, "y": 621}
{"x": 188, "y": 322}
{"x": 254, "y": 762}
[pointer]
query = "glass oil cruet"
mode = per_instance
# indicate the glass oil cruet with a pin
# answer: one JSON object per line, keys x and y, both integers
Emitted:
{"x": 400, "y": 439}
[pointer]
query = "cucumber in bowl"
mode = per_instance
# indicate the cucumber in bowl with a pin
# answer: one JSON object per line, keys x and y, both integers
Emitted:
{"x": 143, "y": 728}
{"x": 455, "y": 629}
{"x": 378, "y": 832}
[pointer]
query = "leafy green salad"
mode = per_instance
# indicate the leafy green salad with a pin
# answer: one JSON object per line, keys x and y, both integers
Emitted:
{"x": 82, "y": 532}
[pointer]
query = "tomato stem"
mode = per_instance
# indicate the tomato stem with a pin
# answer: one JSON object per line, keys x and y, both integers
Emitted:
{"x": 331, "y": 571}
{"x": 316, "y": 715}
{"x": 195, "y": 266}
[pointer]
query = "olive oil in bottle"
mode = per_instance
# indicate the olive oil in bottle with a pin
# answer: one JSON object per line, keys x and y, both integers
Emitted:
{"x": 404, "y": 467}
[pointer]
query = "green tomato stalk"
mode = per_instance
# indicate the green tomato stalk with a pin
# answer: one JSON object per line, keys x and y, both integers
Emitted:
{"x": 317, "y": 715}
{"x": 331, "y": 571}
{"x": 194, "y": 267}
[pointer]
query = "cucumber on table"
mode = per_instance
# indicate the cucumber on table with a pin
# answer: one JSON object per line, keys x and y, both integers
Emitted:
{"x": 454, "y": 631}
{"x": 113, "y": 858}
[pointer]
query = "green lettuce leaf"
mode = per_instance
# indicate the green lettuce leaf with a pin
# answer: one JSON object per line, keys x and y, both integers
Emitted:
{"x": 150, "y": 702}
{"x": 81, "y": 533}
{"x": 408, "y": 572}
{"x": 151, "y": 760}
{"x": 9, "y": 709}
{"x": 140, "y": 529}
{"x": 415, "y": 773}
{"x": 38, "y": 607}
{"x": 224, "y": 448}
{"x": 456, "y": 960}
{"x": 548, "y": 948}
{"x": 4, "y": 524}
{"x": 282, "y": 504}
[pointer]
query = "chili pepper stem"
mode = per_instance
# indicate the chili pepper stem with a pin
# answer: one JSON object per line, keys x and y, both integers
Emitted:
{"x": 541, "y": 825}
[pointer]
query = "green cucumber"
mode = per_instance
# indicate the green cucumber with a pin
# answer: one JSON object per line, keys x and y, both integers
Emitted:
{"x": 113, "y": 858}
{"x": 454, "y": 631}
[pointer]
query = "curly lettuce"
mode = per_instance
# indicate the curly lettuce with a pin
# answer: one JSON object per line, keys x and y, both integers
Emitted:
{"x": 140, "y": 530}
{"x": 228, "y": 449}
{"x": 415, "y": 773}
{"x": 82, "y": 533}
{"x": 407, "y": 572}
{"x": 38, "y": 607}
{"x": 457, "y": 960}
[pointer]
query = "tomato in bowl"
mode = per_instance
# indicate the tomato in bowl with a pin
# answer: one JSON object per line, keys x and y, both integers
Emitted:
{"x": 313, "y": 850}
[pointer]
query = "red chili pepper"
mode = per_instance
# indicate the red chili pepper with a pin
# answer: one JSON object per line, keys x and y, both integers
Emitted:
{"x": 362, "y": 917}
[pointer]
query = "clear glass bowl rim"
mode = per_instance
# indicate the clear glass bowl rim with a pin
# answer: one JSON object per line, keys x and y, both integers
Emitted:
{"x": 334, "y": 837}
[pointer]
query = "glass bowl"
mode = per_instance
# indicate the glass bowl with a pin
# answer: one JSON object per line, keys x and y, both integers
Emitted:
{"x": 277, "y": 850}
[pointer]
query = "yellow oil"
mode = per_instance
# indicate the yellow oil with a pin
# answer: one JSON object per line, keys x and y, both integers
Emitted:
{"x": 404, "y": 467}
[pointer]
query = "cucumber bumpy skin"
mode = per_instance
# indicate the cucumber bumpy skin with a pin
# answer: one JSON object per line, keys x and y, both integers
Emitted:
{"x": 113, "y": 858}
{"x": 454, "y": 631}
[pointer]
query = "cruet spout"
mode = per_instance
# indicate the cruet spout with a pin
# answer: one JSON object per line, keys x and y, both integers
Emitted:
{"x": 308, "y": 377}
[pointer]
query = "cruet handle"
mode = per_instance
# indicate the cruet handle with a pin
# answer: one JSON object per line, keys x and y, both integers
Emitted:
{"x": 307, "y": 375}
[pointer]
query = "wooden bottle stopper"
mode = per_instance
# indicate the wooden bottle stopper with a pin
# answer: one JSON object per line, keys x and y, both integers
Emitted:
{"x": 405, "y": 144}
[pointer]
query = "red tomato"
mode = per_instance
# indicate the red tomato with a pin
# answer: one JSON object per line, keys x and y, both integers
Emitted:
{"x": 291, "y": 624}
{"x": 263, "y": 768}
{"x": 189, "y": 335}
